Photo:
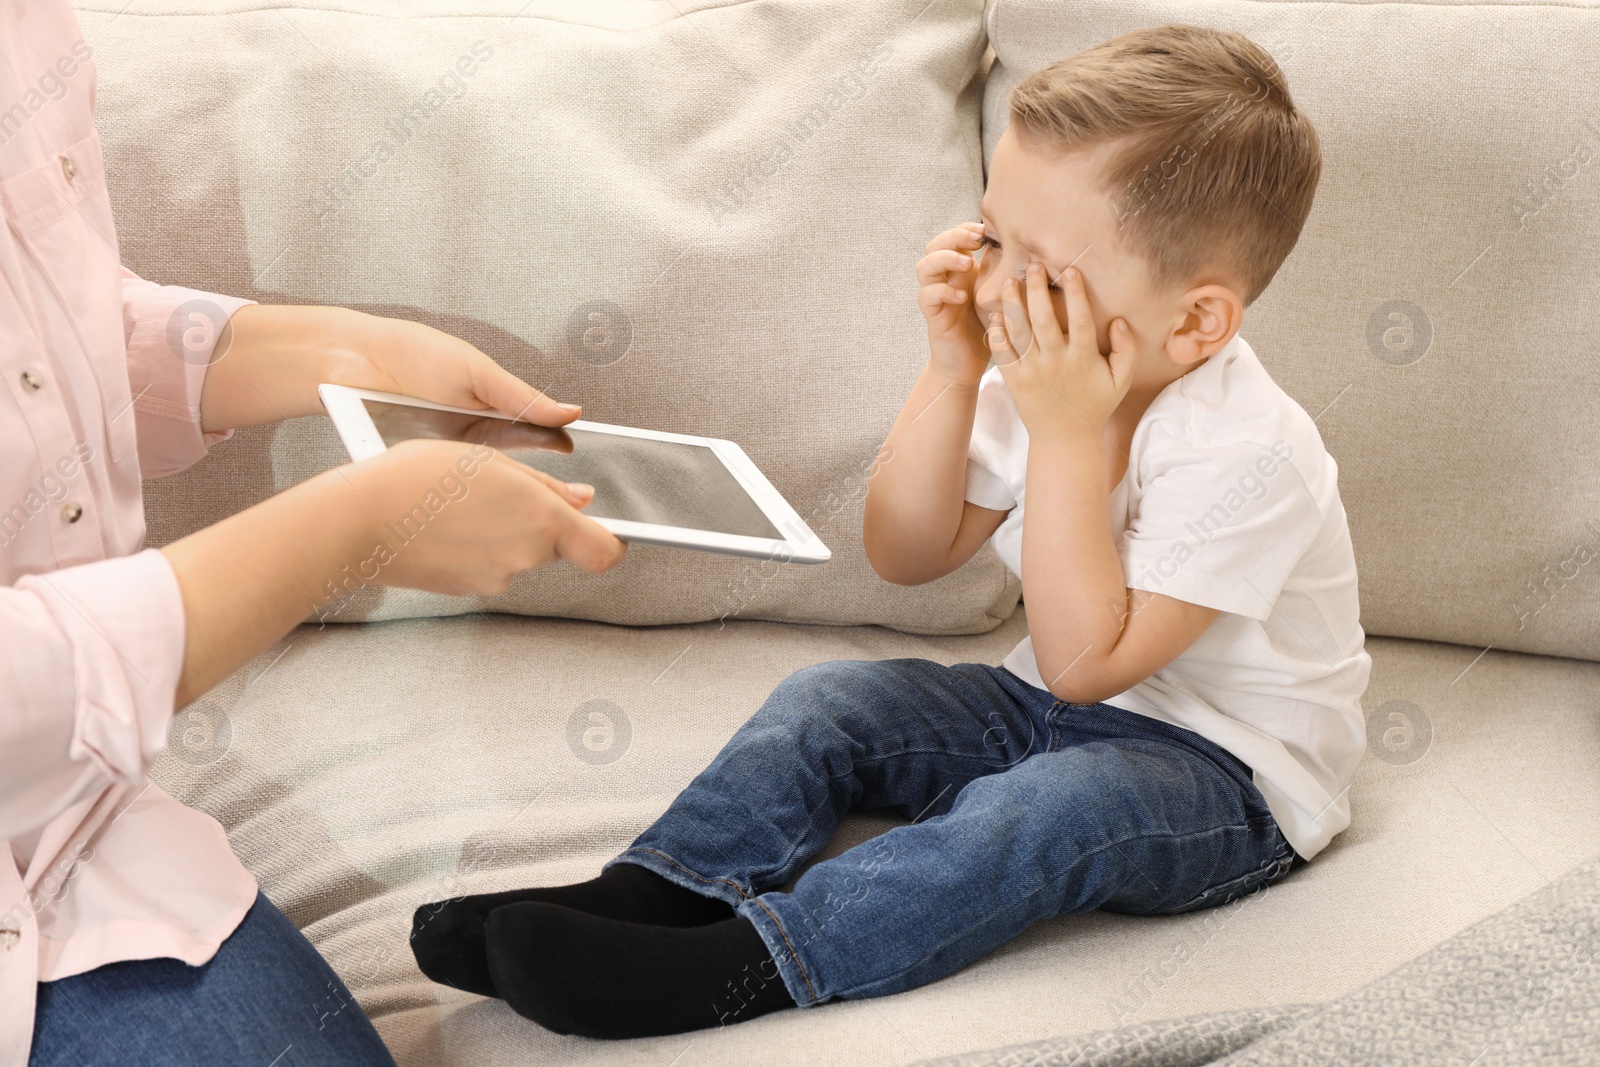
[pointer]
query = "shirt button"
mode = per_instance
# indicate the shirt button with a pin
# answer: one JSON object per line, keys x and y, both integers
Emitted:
{"x": 67, "y": 168}
{"x": 32, "y": 380}
{"x": 72, "y": 512}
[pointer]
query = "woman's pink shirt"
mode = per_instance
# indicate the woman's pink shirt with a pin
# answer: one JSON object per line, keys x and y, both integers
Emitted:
{"x": 100, "y": 378}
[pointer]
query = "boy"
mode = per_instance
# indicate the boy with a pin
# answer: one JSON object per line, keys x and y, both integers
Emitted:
{"x": 1182, "y": 723}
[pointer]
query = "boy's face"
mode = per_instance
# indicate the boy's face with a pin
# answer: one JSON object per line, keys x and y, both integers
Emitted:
{"x": 1052, "y": 208}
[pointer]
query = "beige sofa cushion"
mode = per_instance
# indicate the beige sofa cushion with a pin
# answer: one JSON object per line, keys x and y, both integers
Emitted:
{"x": 366, "y": 770}
{"x": 1439, "y": 315}
{"x": 699, "y": 216}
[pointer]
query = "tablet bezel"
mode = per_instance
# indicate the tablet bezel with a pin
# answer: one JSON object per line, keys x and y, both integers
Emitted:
{"x": 362, "y": 440}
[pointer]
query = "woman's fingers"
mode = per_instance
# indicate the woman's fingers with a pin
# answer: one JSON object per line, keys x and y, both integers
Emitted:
{"x": 504, "y": 435}
{"x": 578, "y": 494}
{"x": 505, "y": 392}
{"x": 589, "y": 546}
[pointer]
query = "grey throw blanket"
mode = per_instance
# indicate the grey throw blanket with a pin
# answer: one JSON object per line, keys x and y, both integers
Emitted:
{"x": 1522, "y": 987}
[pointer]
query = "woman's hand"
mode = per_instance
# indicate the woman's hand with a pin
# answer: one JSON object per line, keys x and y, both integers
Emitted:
{"x": 438, "y": 515}
{"x": 1061, "y": 383}
{"x": 270, "y": 358}
{"x": 464, "y": 518}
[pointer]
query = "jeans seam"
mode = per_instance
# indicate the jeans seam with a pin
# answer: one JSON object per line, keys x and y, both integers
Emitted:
{"x": 812, "y": 989}
{"x": 697, "y": 877}
{"x": 832, "y": 778}
{"x": 793, "y": 955}
{"x": 1087, "y": 855}
{"x": 1279, "y": 860}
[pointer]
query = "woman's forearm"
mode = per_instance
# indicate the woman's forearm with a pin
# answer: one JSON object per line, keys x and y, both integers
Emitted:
{"x": 249, "y": 579}
{"x": 443, "y": 516}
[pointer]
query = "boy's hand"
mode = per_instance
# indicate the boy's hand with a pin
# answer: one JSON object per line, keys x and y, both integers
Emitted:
{"x": 955, "y": 335}
{"x": 1061, "y": 384}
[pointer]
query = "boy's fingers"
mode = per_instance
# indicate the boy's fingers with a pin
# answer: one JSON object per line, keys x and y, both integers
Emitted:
{"x": 1123, "y": 352}
{"x": 1018, "y": 329}
{"x": 1041, "y": 309}
{"x": 1080, "y": 320}
{"x": 933, "y": 297}
{"x": 967, "y": 235}
{"x": 1003, "y": 355}
{"x": 939, "y": 265}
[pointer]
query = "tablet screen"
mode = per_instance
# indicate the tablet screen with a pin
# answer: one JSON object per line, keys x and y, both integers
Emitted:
{"x": 668, "y": 483}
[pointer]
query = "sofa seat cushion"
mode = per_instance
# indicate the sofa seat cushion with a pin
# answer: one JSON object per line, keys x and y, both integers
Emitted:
{"x": 363, "y": 770}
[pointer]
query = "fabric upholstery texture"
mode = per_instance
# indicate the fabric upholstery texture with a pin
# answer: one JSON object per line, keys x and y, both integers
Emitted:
{"x": 1522, "y": 987}
{"x": 728, "y": 254}
{"x": 1437, "y": 315}
{"x": 362, "y": 771}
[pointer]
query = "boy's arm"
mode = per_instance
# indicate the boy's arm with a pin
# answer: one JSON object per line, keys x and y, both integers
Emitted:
{"x": 1093, "y": 637}
{"x": 918, "y": 524}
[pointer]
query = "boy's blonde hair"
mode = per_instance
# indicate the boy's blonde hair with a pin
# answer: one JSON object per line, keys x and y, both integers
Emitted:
{"x": 1212, "y": 163}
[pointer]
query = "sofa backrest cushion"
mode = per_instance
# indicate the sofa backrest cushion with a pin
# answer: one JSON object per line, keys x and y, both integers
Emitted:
{"x": 1440, "y": 316}
{"x": 699, "y": 217}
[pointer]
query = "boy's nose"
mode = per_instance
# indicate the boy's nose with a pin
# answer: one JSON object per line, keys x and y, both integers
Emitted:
{"x": 986, "y": 296}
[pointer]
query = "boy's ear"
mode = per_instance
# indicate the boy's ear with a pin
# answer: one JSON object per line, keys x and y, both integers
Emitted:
{"x": 1209, "y": 316}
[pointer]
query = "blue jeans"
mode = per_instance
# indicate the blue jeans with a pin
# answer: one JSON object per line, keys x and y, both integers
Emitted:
{"x": 1024, "y": 807}
{"x": 266, "y": 998}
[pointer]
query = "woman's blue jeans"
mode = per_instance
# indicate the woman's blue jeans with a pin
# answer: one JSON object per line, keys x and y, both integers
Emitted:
{"x": 1023, "y": 807}
{"x": 267, "y": 999}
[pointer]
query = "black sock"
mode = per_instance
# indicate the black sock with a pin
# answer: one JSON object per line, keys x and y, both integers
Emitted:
{"x": 447, "y": 936}
{"x": 581, "y": 974}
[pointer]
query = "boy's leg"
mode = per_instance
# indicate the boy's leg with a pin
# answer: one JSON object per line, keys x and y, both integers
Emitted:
{"x": 1129, "y": 814}
{"x": 1146, "y": 824}
{"x": 904, "y": 735}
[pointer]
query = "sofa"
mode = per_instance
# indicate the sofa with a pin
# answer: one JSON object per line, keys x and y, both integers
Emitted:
{"x": 702, "y": 216}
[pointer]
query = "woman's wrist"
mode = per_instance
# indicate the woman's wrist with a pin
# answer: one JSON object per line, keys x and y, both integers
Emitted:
{"x": 253, "y": 576}
{"x": 270, "y": 358}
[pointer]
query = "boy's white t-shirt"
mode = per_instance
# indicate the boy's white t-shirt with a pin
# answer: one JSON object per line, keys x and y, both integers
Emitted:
{"x": 1230, "y": 501}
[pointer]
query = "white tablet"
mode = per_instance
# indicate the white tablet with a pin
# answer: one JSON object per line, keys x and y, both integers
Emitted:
{"x": 651, "y": 487}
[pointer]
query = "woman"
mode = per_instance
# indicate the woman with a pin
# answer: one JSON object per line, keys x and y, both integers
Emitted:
{"x": 129, "y": 933}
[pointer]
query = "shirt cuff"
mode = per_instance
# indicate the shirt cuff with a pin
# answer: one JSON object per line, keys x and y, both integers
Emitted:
{"x": 124, "y": 620}
{"x": 171, "y": 334}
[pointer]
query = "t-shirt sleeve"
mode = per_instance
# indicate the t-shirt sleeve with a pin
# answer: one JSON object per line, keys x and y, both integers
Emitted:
{"x": 996, "y": 437}
{"x": 1221, "y": 526}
